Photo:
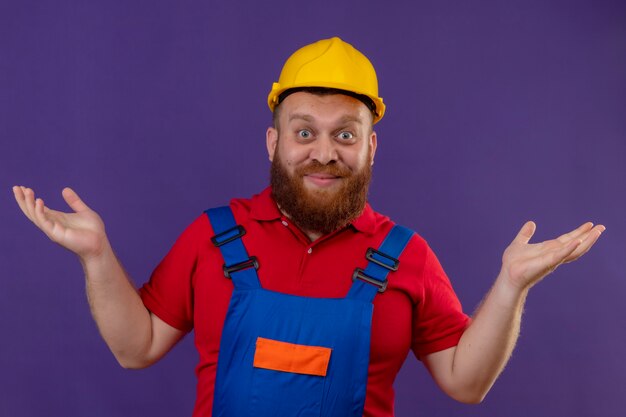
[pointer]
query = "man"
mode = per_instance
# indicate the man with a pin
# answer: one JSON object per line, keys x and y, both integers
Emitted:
{"x": 303, "y": 299}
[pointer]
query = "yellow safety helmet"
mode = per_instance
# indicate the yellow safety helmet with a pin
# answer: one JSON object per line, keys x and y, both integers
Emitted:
{"x": 329, "y": 63}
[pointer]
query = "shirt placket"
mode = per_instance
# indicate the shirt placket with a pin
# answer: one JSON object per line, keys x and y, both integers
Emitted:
{"x": 307, "y": 250}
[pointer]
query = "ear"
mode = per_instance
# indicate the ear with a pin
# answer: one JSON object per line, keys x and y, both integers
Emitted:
{"x": 271, "y": 140}
{"x": 373, "y": 144}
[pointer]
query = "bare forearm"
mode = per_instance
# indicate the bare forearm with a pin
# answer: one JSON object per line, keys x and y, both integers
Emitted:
{"x": 467, "y": 372}
{"x": 488, "y": 342}
{"x": 122, "y": 319}
{"x": 136, "y": 337}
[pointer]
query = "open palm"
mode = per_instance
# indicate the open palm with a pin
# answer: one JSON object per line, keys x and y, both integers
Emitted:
{"x": 81, "y": 231}
{"x": 527, "y": 263}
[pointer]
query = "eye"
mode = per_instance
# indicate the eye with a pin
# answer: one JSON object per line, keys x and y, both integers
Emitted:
{"x": 345, "y": 136}
{"x": 304, "y": 134}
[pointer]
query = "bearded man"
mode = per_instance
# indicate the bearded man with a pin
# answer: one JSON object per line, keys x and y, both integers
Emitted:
{"x": 304, "y": 300}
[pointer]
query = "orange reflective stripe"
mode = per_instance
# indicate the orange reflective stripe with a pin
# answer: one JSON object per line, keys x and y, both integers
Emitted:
{"x": 289, "y": 357}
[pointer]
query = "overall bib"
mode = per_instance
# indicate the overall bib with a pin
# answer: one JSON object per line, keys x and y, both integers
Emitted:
{"x": 290, "y": 356}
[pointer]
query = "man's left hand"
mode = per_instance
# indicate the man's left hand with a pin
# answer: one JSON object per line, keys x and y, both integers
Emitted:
{"x": 524, "y": 264}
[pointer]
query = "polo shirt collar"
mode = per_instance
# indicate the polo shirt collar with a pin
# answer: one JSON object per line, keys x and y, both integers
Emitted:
{"x": 366, "y": 221}
{"x": 264, "y": 208}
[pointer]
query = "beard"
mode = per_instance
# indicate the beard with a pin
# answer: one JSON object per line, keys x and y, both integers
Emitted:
{"x": 320, "y": 210}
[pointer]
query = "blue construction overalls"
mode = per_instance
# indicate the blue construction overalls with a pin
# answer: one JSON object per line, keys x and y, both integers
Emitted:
{"x": 289, "y": 356}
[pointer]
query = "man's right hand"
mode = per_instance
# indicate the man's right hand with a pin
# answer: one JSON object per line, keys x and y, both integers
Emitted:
{"x": 82, "y": 231}
{"x": 136, "y": 337}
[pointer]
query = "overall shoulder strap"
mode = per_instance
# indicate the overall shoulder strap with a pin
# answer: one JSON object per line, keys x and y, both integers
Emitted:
{"x": 373, "y": 279}
{"x": 238, "y": 266}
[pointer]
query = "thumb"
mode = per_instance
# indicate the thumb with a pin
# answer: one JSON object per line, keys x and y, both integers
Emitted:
{"x": 73, "y": 200}
{"x": 526, "y": 232}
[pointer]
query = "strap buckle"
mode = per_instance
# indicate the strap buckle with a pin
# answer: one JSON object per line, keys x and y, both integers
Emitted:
{"x": 252, "y": 262}
{"x": 360, "y": 274}
{"x": 217, "y": 238}
{"x": 369, "y": 255}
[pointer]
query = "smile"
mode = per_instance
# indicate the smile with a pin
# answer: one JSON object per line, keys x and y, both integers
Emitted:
{"x": 321, "y": 180}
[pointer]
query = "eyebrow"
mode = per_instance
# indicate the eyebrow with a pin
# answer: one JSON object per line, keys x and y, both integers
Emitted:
{"x": 300, "y": 116}
{"x": 308, "y": 118}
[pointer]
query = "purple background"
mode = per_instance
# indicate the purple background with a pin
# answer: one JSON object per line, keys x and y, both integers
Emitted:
{"x": 498, "y": 112}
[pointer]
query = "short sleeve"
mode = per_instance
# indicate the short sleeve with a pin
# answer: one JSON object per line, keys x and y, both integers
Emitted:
{"x": 169, "y": 292}
{"x": 438, "y": 321}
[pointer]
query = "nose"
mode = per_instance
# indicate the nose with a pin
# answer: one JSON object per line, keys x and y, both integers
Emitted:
{"x": 324, "y": 151}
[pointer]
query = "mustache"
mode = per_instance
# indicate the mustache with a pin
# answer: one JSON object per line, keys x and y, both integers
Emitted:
{"x": 315, "y": 167}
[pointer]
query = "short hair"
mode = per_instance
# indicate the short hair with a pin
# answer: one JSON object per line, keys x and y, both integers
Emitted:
{"x": 321, "y": 91}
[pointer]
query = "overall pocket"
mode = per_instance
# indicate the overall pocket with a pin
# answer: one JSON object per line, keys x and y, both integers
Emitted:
{"x": 288, "y": 379}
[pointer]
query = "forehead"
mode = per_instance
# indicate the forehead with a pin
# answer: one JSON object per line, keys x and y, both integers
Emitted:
{"x": 324, "y": 108}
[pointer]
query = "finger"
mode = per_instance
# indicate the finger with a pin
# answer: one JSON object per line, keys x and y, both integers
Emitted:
{"x": 73, "y": 200}
{"x": 559, "y": 256}
{"x": 589, "y": 240}
{"x": 17, "y": 191}
{"x": 526, "y": 232}
{"x": 21, "y": 200}
{"x": 576, "y": 233}
{"x": 43, "y": 221}
{"x": 29, "y": 203}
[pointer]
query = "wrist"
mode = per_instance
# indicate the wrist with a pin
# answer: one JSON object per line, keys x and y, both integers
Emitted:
{"x": 99, "y": 258}
{"x": 507, "y": 291}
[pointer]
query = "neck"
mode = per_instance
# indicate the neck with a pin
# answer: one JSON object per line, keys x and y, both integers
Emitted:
{"x": 312, "y": 235}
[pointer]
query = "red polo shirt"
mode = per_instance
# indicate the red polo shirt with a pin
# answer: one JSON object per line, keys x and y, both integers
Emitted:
{"x": 419, "y": 310}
